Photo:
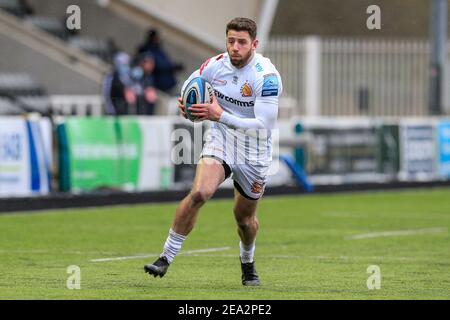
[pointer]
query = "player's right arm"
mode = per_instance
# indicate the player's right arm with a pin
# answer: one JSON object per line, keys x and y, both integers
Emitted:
{"x": 205, "y": 71}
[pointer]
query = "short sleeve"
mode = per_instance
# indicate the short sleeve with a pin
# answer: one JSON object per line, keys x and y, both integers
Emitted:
{"x": 268, "y": 85}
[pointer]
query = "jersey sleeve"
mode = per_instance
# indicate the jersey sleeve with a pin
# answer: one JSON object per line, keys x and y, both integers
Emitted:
{"x": 205, "y": 71}
{"x": 269, "y": 86}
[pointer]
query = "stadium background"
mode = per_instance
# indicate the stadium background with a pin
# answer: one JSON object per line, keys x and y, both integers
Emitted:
{"x": 355, "y": 114}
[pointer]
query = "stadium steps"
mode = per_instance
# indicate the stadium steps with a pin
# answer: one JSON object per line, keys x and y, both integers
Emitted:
{"x": 85, "y": 54}
{"x": 54, "y": 48}
{"x": 20, "y": 93}
{"x": 7, "y": 107}
{"x": 51, "y": 25}
{"x": 100, "y": 48}
{"x": 14, "y": 7}
{"x": 17, "y": 84}
{"x": 137, "y": 13}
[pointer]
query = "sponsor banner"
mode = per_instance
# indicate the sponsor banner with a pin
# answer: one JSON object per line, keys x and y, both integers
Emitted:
{"x": 389, "y": 149}
{"x": 127, "y": 153}
{"x": 443, "y": 131}
{"x": 24, "y": 157}
{"x": 341, "y": 150}
{"x": 129, "y": 145}
{"x": 418, "y": 151}
{"x": 156, "y": 169}
{"x": 103, "y": 153}
{"x": 94, "y": 158}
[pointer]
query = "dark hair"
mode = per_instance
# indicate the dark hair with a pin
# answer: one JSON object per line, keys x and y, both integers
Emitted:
{"x": 152, "y": 35}
{"x": 243, "y": 24}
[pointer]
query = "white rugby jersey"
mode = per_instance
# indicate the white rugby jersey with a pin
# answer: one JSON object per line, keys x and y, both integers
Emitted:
{"x": 249, "y": 98}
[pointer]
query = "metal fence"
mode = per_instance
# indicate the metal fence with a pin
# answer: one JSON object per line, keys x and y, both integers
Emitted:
{"x": 353, "y": 77}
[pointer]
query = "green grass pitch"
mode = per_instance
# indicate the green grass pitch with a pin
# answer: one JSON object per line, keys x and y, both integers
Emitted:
{"x": 314, "y": 247}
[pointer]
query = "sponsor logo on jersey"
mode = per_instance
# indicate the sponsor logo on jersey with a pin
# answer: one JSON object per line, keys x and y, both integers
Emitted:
{"x": 239, "y": 103}
{"x": 270, "y": 85}
{"x": 235, "y": 79}
{"x": 257, "y": 187}
{"x": 219, "y": 82}
{"x": 259, "y": 68}
{"x": 246, "y": 90}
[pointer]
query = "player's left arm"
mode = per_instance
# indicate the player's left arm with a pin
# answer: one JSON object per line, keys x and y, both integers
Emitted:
{"x": 268, "y": 90}
{"x": 266, "y": 113}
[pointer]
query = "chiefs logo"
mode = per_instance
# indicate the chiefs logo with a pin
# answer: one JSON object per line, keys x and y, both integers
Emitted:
{"x": 257, "y": 187}
{"x": 246, "y": 90}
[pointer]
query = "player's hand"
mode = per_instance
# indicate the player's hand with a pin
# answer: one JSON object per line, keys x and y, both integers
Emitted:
{"x": 207, "y": 111}
{"x": 182, "y": 108}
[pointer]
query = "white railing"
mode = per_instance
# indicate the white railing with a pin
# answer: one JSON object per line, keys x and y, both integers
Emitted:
{"x": 77, "y": 105}
{"x": 94, "y": 105}
{"x": 353, "y": 77}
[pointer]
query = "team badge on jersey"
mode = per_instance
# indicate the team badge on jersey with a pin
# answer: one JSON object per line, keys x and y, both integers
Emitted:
{"x": 246, "y": 90}
{"x": 257, "y": 187}
{"x": 270, "y": 85}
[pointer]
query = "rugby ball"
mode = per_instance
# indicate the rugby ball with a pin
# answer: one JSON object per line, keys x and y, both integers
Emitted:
{"x": 197, "y": 91}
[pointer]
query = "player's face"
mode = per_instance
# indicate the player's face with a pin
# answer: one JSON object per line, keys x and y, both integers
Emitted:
{"x": 240, "y": 47}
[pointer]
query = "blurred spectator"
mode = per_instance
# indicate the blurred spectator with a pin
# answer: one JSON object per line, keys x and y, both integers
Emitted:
{"x": 113, "y": 49}
{"x": 144, "y": 87}
{"x": 118, "y": 87}
{"x": 27, "y": 9}
{"x": 165, "y": 69}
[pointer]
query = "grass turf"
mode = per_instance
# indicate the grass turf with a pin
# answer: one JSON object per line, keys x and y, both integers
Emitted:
{"x": 303, "y": 250}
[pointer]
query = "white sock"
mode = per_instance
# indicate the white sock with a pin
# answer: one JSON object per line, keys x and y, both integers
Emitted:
{"x": 173, "y": 245}
{"x": 247, "y": 252}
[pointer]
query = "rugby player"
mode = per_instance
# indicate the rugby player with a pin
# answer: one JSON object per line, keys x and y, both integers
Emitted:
{"x": 244, "y": 110}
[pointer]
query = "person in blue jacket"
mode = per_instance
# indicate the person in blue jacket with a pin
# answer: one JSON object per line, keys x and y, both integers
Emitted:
{"x": 165, "y": 68}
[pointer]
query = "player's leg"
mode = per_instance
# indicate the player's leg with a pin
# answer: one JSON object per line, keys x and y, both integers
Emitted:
{"x": 210, "y": 173}
{"x": 249, "y": 187}
{"x": 247, "y": 225}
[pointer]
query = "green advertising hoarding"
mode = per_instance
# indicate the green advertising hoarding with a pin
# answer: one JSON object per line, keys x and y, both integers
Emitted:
{"x": 129, "y": 142}
{"x": 126, "y": 153}
{"x": 99, "y": 153}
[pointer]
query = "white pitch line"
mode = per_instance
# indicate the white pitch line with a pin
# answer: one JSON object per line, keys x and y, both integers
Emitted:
{"x": 145, "y": 256}
{"x": 206, "y": 250}
{"x": 396, "y": 233}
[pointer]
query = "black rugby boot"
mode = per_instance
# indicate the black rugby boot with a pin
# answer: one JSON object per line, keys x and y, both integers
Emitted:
{"x": 158, "y": 268}
{"x": 249, "y": 275}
